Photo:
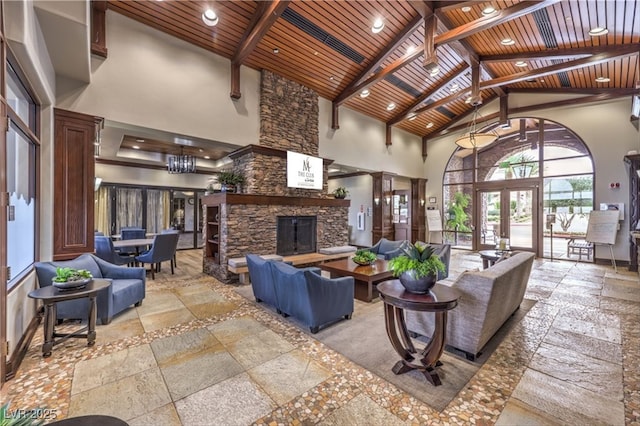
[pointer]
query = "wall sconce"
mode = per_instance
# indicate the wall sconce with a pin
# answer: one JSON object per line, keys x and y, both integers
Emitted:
{"x": 377, "y": 201}
{"x": 422, "y": 202}
{"x": 387, "y": 200}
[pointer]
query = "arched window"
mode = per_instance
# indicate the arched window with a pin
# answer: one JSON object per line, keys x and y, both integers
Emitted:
{"x": 491, "y": 193}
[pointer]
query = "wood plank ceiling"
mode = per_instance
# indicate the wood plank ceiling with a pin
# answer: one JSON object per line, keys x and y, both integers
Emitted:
{"x": 329, "y": 46}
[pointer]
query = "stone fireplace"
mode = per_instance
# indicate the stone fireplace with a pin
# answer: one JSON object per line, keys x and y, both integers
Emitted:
{"x": 249, "y": 222}
{"x": 296, "y": 235}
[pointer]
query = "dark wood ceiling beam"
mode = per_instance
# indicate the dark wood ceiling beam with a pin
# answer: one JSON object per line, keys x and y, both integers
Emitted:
{"x": 375, "y": 63}
{"x": 499, "y": 17}
{"x": 625, "y": 50}
{"x": 405, "y": 114}
{"x": 546, "y": 105}
{"x": 430, "y": 60}
{"x": 471, "y": 56}
{"x": 578, "y": 90}
{"x": 504, "y": 110}
{"x": 99, "y": 28}
{"x": 264, "y": 17}
{"x": 549, "y": 54}
{"x": 446, "y": 129}
{"x": 388, "y": 50}
{"x": 463, "y": 31}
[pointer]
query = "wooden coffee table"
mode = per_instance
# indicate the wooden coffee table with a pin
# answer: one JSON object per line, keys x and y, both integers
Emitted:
{"x": 365, "y": 276}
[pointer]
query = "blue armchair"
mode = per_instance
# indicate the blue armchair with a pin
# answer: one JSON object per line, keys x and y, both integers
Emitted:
{"x": 131, "y": 233}
{"x": 163, "y": 249}
{"x": 127, "y": 287}
{"x": 387, "y": 249}
{"x": 307, "y": 296}
{"x": 262, "y": 280}
{"x": 106, "y": 251}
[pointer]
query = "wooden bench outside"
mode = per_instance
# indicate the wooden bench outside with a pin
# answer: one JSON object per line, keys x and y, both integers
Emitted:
{"x": 296, "y": 260}
{"x": 579, "y": 247}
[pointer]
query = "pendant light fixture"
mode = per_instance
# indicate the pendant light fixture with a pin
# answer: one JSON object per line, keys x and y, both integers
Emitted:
{"x": 473, "y": 138}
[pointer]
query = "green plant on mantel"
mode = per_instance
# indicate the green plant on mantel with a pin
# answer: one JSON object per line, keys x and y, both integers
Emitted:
{"x": 228, "y": 177}
{"x": 340, "y": 192}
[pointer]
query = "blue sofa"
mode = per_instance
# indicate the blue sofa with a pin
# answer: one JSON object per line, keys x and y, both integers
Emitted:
{"x": 127, "y": 287}
{"x": 301, "y": 292}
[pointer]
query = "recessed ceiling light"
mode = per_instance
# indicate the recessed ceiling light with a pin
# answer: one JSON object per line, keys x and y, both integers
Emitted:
{"x": 521, "y": 64}
{"x": 364, "y": 93}
{"x": 507, "y": 41}
{"x": 331, "y": 77}
{"x": 568, "y": 18}
{"x": 135, "y": 147}
{"x": 429, "y": 125}
{"x": 210, "y": 18}
{"x": 603, "y": 79}
{"x": 391, "y": 106}
{"x": 435, "y": 71}
{"x": 531, "y": 80}
{"x": 488, "y": 10}
{"x": 276, "y": 50}
{"x": 206, "y": 157}
{"x": 454, "y": 87}
{"x": 465, "y": 9}
{"x": 140, "y": 140}
{"x": 200, "y": 150}
{"x": 598, "y": 31}
{"x": 410, "y": 49}
{"x": 378, "y": 25}
{"x": 412, "y": 116}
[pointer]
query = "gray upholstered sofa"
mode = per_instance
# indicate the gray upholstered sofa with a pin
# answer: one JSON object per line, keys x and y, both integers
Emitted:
{"x": 127, "y": 287}
{"x": 488, "y": 298}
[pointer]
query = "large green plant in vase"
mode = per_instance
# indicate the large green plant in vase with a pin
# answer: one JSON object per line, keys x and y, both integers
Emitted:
{"x": 417, "y": 269}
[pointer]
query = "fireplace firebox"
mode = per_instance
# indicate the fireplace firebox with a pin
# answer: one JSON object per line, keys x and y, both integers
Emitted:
{"x": 296, "y": 235}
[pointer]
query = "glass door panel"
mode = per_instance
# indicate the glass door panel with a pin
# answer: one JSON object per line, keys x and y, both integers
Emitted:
{"x": 521, "y": 235}
{"x": 490, "y": 218}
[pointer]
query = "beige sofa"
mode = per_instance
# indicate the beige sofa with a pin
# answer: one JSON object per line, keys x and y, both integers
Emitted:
{"x": 488, "y": 298}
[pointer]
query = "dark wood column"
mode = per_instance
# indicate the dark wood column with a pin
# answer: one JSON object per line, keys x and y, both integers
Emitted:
{"x": 633, "y": 164}
{"x": 418, "y": 216}
{"x": 381, "y": 220}
{"x": 74, "y": 174}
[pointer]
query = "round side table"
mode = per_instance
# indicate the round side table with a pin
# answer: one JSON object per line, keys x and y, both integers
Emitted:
{"x": 396, "y": 300}
{"x": 51, "y": 295}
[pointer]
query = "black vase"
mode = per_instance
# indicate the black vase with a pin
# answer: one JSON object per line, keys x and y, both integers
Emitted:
{"x": 420, "y": 285}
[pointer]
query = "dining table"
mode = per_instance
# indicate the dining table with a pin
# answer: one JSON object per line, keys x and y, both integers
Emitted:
{"x": 136, "y": 242}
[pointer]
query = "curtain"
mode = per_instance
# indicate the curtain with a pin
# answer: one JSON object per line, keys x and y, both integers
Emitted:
{"x": 102, "y": 213}
{"x": 166, "y": 210}
{"x": 157, "y": 210}
{"x": 128, "y": 208}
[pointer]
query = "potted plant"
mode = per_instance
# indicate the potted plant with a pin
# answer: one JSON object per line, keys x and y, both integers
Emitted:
{"x": 417, "y": 269}
{"x": 229, "y": 180}
{"x": 67, "y": 278}
{"x": 340, "y": 192}
{"x": 209, "y": 189}
{"x": 364, "y": 257}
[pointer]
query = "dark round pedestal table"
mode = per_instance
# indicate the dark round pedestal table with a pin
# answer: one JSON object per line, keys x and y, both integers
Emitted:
{"x": 396, "y": 300}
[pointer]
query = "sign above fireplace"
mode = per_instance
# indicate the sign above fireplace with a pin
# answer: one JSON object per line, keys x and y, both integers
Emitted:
{"x": 304, "y": 171}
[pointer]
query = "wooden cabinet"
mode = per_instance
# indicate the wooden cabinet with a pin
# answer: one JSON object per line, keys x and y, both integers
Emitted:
{"x": 382, "y": 224}
{"x": 73, "y": 182}
{"x": 633, "y": 165}
{"x": 212, "y": 233}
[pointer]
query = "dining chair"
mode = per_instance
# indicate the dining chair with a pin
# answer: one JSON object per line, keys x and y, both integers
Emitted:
{"x": 172, "y": 231}
{"x": 163, "y": 249}
{"x": 106, "y": 251}
{"x": 131, "y": 233}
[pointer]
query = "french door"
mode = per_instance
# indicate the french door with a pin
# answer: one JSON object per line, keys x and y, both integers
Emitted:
{"x": 507, "y": 213}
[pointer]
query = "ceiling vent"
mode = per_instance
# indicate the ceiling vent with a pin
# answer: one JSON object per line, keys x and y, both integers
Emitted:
{"x": 541, "y": 17}
{"x": 321, "y": 35}
{"x": 442, "y": 110}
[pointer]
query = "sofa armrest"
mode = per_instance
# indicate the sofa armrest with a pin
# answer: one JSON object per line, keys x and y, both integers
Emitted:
{"x": 116, "y": 272}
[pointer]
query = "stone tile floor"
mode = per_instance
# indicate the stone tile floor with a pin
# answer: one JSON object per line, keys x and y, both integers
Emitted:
{"x": 198, "y": 353}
